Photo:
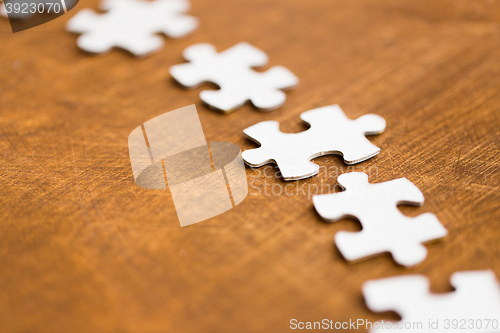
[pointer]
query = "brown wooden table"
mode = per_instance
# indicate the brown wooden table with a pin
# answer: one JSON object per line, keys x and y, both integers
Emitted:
{"x": 83, "y": 249}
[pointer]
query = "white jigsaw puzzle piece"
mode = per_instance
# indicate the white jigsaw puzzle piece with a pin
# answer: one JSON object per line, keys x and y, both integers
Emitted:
{"x": 131, "y": 25}
{"x": 385, "y": 228}
{"x": 476, "y": 298}
{"x": 232, "y": 71}
{"x": 331, "y": 132}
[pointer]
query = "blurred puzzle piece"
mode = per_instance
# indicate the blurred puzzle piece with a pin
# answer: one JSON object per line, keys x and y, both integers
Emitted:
{"x": 131, "y": 25}
{"x": 232, "y": 71}
{"x": 476, "y": 298}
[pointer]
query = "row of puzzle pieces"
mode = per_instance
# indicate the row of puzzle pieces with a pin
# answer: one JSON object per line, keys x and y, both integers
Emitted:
{"x": 231, "y": 70}
{"x": 473, "y": 307}
{"x": 132, "y": 25}
{"x": 385, "y": 228}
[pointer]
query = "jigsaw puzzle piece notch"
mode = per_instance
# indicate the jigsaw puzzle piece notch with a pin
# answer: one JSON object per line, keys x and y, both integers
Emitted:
{"x": 85, "y": 20}
{"x": 337, "y": 206}
{"x": 178, "y": 27}
{"x": 193, "y": 74}
{"x": 199, "y": 52}
{"x": 423, "y": 228}
{"x": 357, "y": 147}
{"x": 263, "y": 133}
{"x": 370, "y": 124}
{"x": 243, "y": 55}
{"x": 401, "y": 191}
{"x": 353, "y": 181}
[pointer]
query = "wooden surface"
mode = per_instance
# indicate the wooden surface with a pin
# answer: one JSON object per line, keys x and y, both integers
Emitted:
{"x": 83, "y": 249}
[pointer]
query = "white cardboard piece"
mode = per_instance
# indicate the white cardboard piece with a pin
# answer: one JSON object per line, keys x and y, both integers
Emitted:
{"x": 385, "y": 228}
{"x": 331, "y": 132}
{"x": 473, "y": 307}
{"x": 131, "y": 25}
{"x": 232, "y": 71}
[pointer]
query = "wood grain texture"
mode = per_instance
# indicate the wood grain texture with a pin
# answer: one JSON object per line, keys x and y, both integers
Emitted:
{"x": 83, "y": 249}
